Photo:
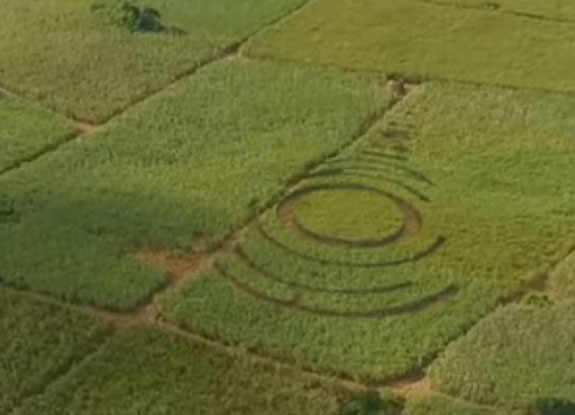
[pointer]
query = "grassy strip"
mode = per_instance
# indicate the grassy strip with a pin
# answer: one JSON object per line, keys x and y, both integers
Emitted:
{"x": 37, "y": 342}
{"x": 437, "y": 405}
{"x": 426, "y": 41}
{"x": 519, "y": 357}
{"x": 498, "y": 180}
{"x": 26, "y": 131}
{"x": 148, "y": 371}
{"x": 192, "y": 163}
{"x": 76, "y": 59}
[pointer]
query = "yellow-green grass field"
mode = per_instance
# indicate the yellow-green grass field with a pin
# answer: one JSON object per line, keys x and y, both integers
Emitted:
{"x": 28, "y": 131}
{"x": 67, "y": 55}
{"x": 287, "y": 207}
{"x": 422, "y": 40}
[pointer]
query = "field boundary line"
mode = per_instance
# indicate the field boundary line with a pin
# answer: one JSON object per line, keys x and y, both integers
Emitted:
{"x": 47, "y": 149}
{"x": 414, "y": 78}
{"x": 68, "y": 368}
{"x": 84, "y": 127}
{"x": 493, "y": 7}
{"x": 149, "y": 313}
{"x": 537, "y": 275}
{"x": 229, "y": 241}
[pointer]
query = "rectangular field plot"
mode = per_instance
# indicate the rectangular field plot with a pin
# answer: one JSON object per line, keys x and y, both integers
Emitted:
{"x": 91, "y": 58}
{"x": 423, "y": 40}
{"x": 151, "y": 372}
{"x": 193, "y": 163}
{"x": 521, "y": 357}
{"x": 561, "y": 10}
{"x": 26, "y": 131}
{"x": 37, "y": 343}
{"x": 460, "y": 197}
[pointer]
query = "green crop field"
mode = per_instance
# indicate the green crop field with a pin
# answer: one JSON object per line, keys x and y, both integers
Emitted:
{"x": 482, "y": 215}
{"x": 81, "y": 57}
{"x": 27, "y": 131}
{"x": 287, "y": 207}
{"x": 560, "y": 10}
{"x": 39, "y": 341}
{"x": 520, "y": 356}
{"x": 188, "y": 164}
{"x": 147, "y": 371}
{"x": 422, "y": 40}
{"x": 435, "y": 405}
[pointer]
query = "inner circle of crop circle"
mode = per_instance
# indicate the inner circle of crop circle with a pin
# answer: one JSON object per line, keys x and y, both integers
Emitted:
{"x": 401, "y": 222}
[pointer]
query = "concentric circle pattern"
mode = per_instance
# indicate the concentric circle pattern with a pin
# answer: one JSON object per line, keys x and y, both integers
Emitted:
{"x": 342, "y": 242}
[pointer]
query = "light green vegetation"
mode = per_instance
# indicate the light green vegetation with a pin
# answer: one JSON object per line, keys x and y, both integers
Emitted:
{"x": 563, "y": 10}
{"x": 65, "y": 54}
{"x": 488, "y": 183}
{"x": 424, "y": 40}
{"x": 353, "y": 215}
{"x": 194, "y": 162}
{"x": 437, "y": 405}
{"x": 37, "y": 343}
{"x": 26, "y": 131}
{"x": 562, "y": 279}
{"x": 519, "y": 357}
{"x": 152, "y": 372}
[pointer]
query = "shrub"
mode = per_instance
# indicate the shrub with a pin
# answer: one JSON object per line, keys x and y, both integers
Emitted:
{"x": 130, "y": 16}
{"x": 372, "y": 403}
{"x": 6, "y": 210}
{"x": 552, "y": 406}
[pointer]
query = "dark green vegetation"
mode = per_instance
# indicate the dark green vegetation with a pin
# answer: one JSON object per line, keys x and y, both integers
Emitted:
{"x": 487, "y": 203}
{"x": 423, "y": 40}
{"x": 145, "y": 371}
{"x": 372, "y": 403}
{"x": 26, "y": 131}
{"x": 37, "y": 343}
{"x": 130, "y": 16}
{"x": 520, "y": 357}
{"x": 70, "y": 57}
{"x": 194, "y": 162}
{"x": 436, "y": 405}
